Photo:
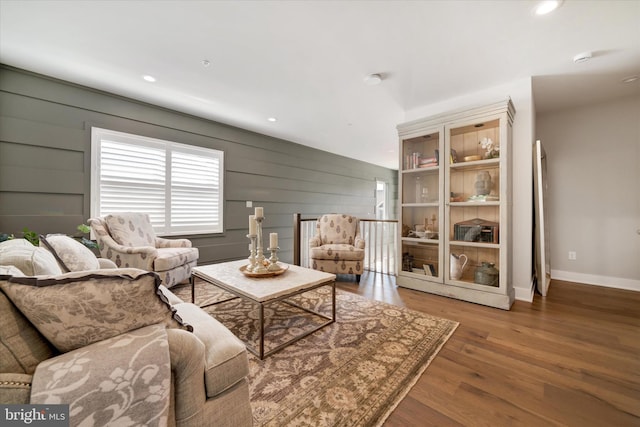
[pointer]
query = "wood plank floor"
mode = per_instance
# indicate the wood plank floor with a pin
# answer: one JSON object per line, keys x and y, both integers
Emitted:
{"x": 570, "y": 359}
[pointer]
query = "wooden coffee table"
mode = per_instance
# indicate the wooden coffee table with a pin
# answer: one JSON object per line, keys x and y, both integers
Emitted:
{"x": 267, "y": 290}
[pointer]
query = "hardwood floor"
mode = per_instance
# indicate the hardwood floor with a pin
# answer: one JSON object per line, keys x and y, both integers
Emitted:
{"x": 570, "y": 359}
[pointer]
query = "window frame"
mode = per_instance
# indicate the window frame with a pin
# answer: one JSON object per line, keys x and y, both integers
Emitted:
{"x": 99, "y": 134}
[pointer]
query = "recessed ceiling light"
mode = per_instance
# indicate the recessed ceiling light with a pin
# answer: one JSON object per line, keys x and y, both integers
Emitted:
{"x": 547, "y": 6}
{"x": 149, "y": 78}
{"x": 630, "y": 79}
{"x": 272, "y": 119}
{"x": 206, "y": 63}
{"x": 373, "y": 79}
{"x": 582, "y": 57}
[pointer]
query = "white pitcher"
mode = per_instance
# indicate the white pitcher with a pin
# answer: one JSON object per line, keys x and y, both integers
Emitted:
{"x": 457, "y": 265}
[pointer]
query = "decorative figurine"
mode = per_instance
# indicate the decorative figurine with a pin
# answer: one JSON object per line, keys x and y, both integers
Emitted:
{"x": 483, "y": 183}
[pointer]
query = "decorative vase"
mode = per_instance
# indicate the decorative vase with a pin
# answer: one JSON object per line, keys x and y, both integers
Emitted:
{"x": 457, "y": 264}
{"x": 422, "y": 192}
{"x": 407, "y": 262}
{"x": 487, "y": 274}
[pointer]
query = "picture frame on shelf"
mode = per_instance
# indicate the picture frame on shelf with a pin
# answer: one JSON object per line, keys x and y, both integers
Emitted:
{"x": 429, "y": 269}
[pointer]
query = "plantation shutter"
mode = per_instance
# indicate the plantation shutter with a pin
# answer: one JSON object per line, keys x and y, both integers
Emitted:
{"x": 196, "y": 197}
{"x": 178, "y": 185}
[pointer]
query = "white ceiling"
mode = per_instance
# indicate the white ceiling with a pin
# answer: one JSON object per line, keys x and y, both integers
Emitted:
{"x": 304, "y": 61}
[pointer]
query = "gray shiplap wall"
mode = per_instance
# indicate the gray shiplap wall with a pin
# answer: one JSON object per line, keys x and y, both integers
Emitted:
{"x": 45, "y": 128}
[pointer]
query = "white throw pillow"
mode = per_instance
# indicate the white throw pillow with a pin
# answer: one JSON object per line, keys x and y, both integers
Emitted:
{"x": 31, "y": 260}
{"x": 71, "y": 254}
{"x": 10, "y": 270}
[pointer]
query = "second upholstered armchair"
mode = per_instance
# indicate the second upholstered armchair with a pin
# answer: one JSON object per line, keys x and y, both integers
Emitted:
{"x": 128, "y": 240}
{"x": 337, "y": 246}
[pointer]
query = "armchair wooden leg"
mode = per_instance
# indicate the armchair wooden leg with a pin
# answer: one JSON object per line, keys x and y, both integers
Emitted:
{"x": 192, "y": 280}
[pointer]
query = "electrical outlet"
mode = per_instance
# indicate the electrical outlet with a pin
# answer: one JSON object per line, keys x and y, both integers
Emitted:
{"x": 249, "y": 204}
{"x": 572, "y": 255}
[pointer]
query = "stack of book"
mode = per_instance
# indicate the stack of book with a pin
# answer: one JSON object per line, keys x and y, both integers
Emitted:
{"x": 430, "y": 270}
{"x": 427, "y": 162}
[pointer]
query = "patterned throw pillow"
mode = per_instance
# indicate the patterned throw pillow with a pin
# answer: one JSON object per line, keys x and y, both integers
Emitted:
{"x": 131, "y": 229}
{"x": 73, "y": 310}
{"x": 71, "y": 254}
{"x": 121, "y": 381}
{"x": 22, "y": 347}
{"x": 29, "y": 259}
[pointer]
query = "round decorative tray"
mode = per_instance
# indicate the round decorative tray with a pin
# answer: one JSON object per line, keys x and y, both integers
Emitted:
{"x": 283, "y": 268}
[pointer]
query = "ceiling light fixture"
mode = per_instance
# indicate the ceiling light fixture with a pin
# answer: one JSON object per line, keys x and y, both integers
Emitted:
{"x": 547, "y": 6}
{"x": 272, "y": 119}
{"x": 630, "y": 79}
{"x": 206, "y": 63}
{"x": 582, "y": 57}
{"x": 149, "y": 78}
{"x": 373, "y": 79}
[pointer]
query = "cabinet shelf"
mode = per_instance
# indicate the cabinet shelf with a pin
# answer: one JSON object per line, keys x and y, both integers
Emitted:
{"x": 472, "y": 204}
{"x": 474, "y": 244}
{"x": 422, "y": 170}
{"x": 420, "y": 240}
{"x": 476, "y": 164}
{"x": 420, "y": 205}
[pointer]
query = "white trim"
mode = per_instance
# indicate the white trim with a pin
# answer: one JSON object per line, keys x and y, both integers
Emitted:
{"x": 524, "y": 294}
{"x": 593, "y": 279}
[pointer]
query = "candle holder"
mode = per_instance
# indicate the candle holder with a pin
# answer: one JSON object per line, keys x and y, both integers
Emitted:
{"x": 273, "y": 261}
{"x": 252, "y": 252}
{"x": 259, "y": 264}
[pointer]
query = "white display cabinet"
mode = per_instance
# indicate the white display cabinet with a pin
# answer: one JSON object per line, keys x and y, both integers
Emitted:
{"x": 455, "y": 212}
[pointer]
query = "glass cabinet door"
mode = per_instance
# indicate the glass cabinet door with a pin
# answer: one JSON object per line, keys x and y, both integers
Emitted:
{"x": 421, "y": 196}
{"x": 473, "y": 206}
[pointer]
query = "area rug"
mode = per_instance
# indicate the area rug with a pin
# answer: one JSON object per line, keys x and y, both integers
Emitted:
{"x": 353, "y": 372}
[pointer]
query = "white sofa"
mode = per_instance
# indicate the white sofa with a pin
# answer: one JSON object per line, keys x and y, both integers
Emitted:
{"x": 116, "y": 345}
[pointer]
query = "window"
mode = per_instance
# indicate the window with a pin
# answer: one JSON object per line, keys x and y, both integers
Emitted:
{"x": 179, "y": 186}
{"x": 381, "y": 200}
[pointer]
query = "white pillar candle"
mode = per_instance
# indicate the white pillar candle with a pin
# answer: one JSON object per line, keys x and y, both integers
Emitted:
{"x": 259, "y": 212}
{"x": 252, "y": 225}
{"x": 273, "y": 240}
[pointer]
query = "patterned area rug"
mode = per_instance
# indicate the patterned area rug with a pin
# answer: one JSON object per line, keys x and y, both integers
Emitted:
{"x": 350, "y": 373}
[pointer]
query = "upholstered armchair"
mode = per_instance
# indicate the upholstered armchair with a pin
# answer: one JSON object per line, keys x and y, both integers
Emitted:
{"x": 337, "y": 246}
{"x": 128, "y": 240}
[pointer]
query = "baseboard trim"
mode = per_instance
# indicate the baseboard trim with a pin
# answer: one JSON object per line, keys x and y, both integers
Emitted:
{"x": 524, "y": 294}
{"x": 593, "y": 279}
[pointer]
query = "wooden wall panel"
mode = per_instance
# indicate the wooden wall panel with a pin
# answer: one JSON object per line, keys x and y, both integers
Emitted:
{"x": 21, "y": 204}
{"x": 40, "y": 157}
{"x": 40, "y": 134}
{"x": 45, "y": 130}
